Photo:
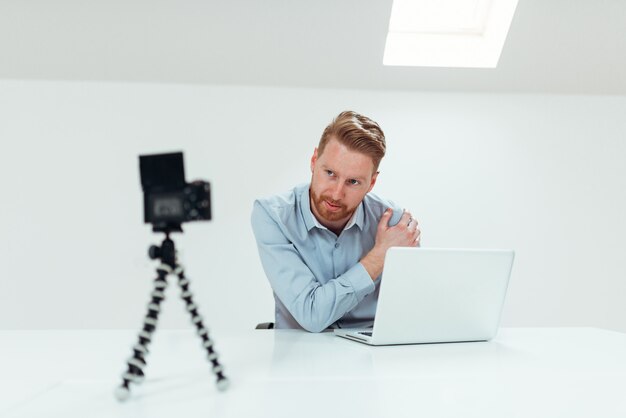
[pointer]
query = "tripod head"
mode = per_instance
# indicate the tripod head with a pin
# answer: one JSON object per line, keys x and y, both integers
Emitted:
{"x": 166, "y": 252}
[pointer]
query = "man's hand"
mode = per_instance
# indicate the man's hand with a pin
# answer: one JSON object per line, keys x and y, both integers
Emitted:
{"x": 406, "y": 233}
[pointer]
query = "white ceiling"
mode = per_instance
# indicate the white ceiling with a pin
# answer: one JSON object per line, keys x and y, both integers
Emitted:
{"x": 553, "y": 46}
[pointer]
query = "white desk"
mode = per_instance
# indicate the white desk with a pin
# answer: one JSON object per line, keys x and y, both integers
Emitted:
{"x": 524, "y": 372}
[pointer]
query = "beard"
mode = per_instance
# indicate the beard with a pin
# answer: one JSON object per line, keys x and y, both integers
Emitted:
{"x": 340, "y": 212}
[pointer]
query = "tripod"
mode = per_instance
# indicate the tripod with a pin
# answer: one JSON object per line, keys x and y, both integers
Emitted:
{"x": 169, "y": 265}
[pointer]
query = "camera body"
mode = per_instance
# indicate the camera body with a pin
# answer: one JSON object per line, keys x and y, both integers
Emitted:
{"x": 169, "y": 200}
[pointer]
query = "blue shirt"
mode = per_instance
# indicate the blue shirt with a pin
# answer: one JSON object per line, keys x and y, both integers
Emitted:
{"x": 316, "y": 276}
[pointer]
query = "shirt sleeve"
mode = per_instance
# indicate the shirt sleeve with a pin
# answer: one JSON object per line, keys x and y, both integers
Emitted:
{"x": 313, "y": 305}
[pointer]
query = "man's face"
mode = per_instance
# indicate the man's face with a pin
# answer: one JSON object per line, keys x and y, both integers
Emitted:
{"x": 341, "y": 178}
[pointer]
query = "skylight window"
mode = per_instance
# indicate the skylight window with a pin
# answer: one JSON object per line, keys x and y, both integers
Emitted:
{"x": 448, "y": 33}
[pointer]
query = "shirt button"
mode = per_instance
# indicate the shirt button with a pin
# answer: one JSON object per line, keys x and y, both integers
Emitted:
{"x": 336, "y": 245}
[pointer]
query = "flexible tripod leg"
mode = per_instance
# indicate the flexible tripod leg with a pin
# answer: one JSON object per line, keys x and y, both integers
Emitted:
{"x": 137, "y": 362}
{"x": 222, "y": 381}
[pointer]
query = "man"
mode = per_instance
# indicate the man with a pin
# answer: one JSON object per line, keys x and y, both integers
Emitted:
{"x": 323, "y": 244}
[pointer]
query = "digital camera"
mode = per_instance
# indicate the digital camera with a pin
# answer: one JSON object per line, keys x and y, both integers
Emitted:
{"x": 168, "y": 199}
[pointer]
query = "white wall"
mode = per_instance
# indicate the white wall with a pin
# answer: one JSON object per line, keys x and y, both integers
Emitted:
{"x": 544, "y": 175}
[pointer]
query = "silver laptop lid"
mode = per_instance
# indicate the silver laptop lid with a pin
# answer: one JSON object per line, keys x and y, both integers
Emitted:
{"x": 441, "y": 295}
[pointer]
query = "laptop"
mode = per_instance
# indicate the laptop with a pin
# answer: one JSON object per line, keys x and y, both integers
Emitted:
{"x": 435, "y": 295}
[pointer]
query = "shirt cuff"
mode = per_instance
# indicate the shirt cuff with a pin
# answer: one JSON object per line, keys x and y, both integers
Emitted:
{"x": 360, "y": 280}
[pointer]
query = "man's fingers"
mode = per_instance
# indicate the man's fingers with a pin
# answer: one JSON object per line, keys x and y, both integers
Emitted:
{"x": 384, "y": 220}
{"x": 405, "y": 219}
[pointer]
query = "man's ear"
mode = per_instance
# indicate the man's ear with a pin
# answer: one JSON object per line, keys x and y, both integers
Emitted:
{"x": 313, "y": 159}
{"x": 373, "y": 182}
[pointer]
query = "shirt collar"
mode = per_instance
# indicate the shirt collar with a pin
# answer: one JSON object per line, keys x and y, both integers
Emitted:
{"x": 310, "y": 221}
{"x": 305, "y": 204}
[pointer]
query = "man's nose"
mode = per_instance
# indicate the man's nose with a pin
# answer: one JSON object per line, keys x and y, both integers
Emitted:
{"x": 338, "y": 191}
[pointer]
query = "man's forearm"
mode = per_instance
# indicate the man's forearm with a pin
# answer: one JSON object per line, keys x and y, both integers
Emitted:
{"x": 374, "y": 262}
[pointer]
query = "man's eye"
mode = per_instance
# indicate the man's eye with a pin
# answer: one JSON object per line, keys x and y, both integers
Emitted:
{"x": 330, "y": 173}
{"x": 353, "y": 182}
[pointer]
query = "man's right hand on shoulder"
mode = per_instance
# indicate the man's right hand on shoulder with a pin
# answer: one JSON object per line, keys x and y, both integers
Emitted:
{"x": 406, "y": 233}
